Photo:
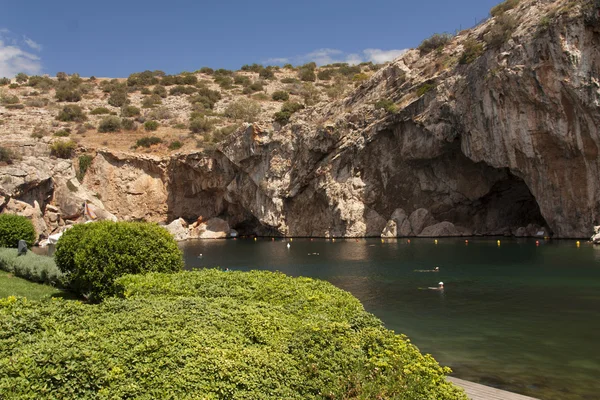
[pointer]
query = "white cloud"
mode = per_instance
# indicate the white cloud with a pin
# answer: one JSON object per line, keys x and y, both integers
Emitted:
{"x": 330, "y": 56}
{"x": 35, "y": 46}
{"x": 13, "y": 59}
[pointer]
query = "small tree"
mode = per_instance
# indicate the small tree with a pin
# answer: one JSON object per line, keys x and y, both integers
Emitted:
{"x": 243, "y": 109}
{"x": 61, "y": 76}
{"x": 201, "y": 124}
{"x": 63, "y": 149}
{"x": 151, "y": 126}
{"x": 130, "y": 111}
{"x": 434, "y": 42}
{"x": 109, "y": 124}
{"x": 21, "y": 77}
{"x": 280, "y": 95}
{"x": 71, "y": 113}
{"x": 118, "y": 98}
{"x": 14, "y": 228}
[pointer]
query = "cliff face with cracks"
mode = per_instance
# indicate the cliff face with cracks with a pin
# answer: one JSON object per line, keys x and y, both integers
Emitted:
{"x": 507, "y": 144}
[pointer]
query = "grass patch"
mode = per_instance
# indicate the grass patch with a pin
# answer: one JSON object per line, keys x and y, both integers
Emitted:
{"x": 10, "y": 285}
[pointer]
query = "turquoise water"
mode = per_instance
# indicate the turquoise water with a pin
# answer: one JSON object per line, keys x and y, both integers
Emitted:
{"x": 517, "y": 316}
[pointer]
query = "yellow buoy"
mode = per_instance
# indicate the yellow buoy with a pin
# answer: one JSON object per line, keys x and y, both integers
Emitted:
{"x": 382, "y": 241}
{"x": 333, "y": 239}
{"x": 498, "y": 243}
{"x": 578, "y": 244}
{"x": 291, "y": 239}
{"x": 435, "y": 241}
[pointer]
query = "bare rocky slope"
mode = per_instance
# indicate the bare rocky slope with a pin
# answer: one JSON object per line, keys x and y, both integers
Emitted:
{"x": 493, "y": 133}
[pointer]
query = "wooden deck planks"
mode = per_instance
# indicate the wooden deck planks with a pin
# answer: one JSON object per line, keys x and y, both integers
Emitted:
{"x": 475, "y": 391}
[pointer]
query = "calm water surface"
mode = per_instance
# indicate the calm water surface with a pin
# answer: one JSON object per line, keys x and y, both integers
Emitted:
{"x": 520, "y": 317}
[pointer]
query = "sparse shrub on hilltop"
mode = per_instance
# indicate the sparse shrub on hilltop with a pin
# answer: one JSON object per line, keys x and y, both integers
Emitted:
{"x": 21, "y": 77}
{"x": 118, "y": 98}
{"x": 8, "y": 99}
{"x": 280, "y": 95}
{"x": 256, "y": 86}
{"x": 252, "y": 68}
{"x": 290, "y": 80}
{"x": 434, "y": 42}
{"x": 501, "y": 31}
{"x": 244, "y": 110}
{"x": 360, "y": 77}
{"x": 63, "y": 149}
{"x": 503, "y": 7}
{"x": 241, "y": 80}
{"x": 206, "y": 97}
{"x": 72, "y": 113}
{"x": 267, "y": 73}
{"x": 40, "y": 82}
{"x": 225, "y": 81}
{"x": 189, "y": 80}
{"x": 472, "y": 49}
{"x": 287, "y": 109}
{"x": 145, "y": 78}
{"x": 61, "y": 76}
{"x": 151, "y": 126}
{"x": 207, "y": 70}
{"x": 151, "y": 101}
{"x": 307, "y": 74}
{"x": 113, "y": 85}
{"x": 109, "y": 124}
{"x": 14, "y": 228}
{"x": 94, "y": 255}
{"x": 100, "y": 111}
{"x": 148, "y": 141}
{"x": 201, "y": 124}
{"x": 128, "y": 124}
{"x": 160, "y": 90}
{"x": 181, "y": 90}
{"x": 130, "y": 111}
{"x": 323, "y": 74}
{"x": 65, "y": 91}
{"x": 4, "y": 81}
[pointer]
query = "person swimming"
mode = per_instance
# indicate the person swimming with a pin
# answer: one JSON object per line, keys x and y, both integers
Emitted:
{"x": 439, "y": 287}
{"x": 436, "y": 269}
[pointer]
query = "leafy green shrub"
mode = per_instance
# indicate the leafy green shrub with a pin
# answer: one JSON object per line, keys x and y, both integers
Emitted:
{"x": 40, "y": 82}
{"x": 151, "y": 126}
{"x": 222, "y": 133}
{"x": 118, "y": 98}
{"x": 307, "y": 75}
{"x": 290, "y": 80}
{"x": 226, "y": 82}
{"x": 206, "y": 97}
{"x": 218, "y": 335}
{"x": 66, "y": 92}
{"x": 112, "y": 86}
{"x": 6, "y": 155}
{"x": 252, "y": 68}
{"x": 71, "y": 112}
{"x": 280, "y": 95}
{"x": 145, "y": 78}
{"x": 160, "y": 91}
{"x": 63, "y": 149}
{"x": 128, "y": 124}
{"x": 130, "y": 111}
{"x": 207, "y": 70}
{"x": 287, "y": 109}
{"x": 100, "y": 111}
{"x": 4, "y": 81}
{"x": 93, "y": 255}
{"x": 109, "y": 124}
{"x": 14, "y": 228}
{"x": 472, "y": 50}
{"x": 84, "y": 163}
{"x": 424, "y": 88}
{"x": 387, "y": 104}
{"x": 151, "y": 101}
{"x": 8, "y": 99}
{"x": 503, "y": 7}
{"x": 148, "y": 141}
{"x": 267, "y": 73}
{"x": 501, "y": 31}
{"x": 201, "y": 125}
{"x": 62, "y": 133}
{"x": 434, "y": 42}
{"x": 348, "y": 70}
{"x": 254, "y": 87}
{"x": 21, "y": 77}
{"x": 175, "y": 145}
{"x": 181, "y": 89}
{"x": 243, "y": 109}
{"x": 360, "y": 77}
{"x": 30, "y": 266}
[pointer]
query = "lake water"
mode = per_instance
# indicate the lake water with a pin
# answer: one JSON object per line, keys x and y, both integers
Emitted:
{"x": 520, "y": 317}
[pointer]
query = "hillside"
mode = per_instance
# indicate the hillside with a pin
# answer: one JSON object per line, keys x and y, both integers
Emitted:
{"x": 490, "y": 131}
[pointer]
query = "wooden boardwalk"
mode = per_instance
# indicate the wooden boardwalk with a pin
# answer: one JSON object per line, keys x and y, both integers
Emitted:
{"x": 475, "y": 391}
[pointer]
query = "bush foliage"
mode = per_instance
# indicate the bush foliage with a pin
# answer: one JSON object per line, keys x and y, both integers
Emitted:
{"x": 151, "y": 126}
{"x": 436, "y": 41}
{"x": 243, "y": 109}
{"x": 93, "y": 255}
{"x": 109, "y": 124}
{"x": 33, "y": 267}
{"x": 148, "y": 141}
{"x": 71, "y": 113}
{"x": 63, "y": 149}
{"x": 212, "y": 335}
{"x": 503, "y": 7}
{"x": 14, "y": 228}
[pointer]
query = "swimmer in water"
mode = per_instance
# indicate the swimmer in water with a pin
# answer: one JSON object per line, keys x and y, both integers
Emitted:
{"x": 436, "y": 269}
{"x": 440, "y": 287}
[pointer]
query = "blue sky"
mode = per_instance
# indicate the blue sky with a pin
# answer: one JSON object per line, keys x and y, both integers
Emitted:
{"x": 115, "y": 38}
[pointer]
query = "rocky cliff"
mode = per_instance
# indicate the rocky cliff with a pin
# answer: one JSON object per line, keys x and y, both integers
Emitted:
{"x": 503, "y": 142}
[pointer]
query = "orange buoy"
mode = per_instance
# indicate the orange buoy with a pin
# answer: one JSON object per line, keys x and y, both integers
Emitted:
{"x": 466, "y": 242}
{"x": 537, "y": 242}
{"x": 408, "y": 241}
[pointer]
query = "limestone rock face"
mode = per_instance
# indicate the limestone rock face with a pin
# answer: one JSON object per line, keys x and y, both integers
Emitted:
{"x": 178, "y": 228}
{"x": 440, "y": 230}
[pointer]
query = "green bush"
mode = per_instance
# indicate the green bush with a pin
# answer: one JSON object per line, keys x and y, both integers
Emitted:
{"x": 33, "y": 267}
{"x": 128, "y": 124}
{"x": 100, "y": 111}
{"x": 503, "y": 7}
{"x": 287, "y": 109}
{"x": 151, "y": 126}
{"x": 40, "y": 82}
{"x": 243, "y": 109}
{"x": 212, "y": 335}
{"x": 84, "y": 163}
{"x": 93, "y": 255}
{"x": 267, "y": 73}
{"x": 63, "y": 149}
{"x": 175, "y": 145}
{"x": 206, "y": 97}
{"x": 130, "y": 111}
{"x": 71, "y": 113}
{"x": 159, "y": 114}
{"x": 14, "y": 228}
{"x": 6, "y": 155}
{"x": 151, "y": 101}
{"x": 201, "y": 125}
{"x": 148, "y": 141}
{"x": 307, "y": 75}
{"x": 62, "y": 133}
{"x": 290, "y": 80}
{"x": 280, "y": 95}
{"x": 254, "y": 87}
{"x": 434, "y": 42}
{"x": 501, "y": 31}
{"x": 386, "y": 104}
{"x": 67, "y": 92}
{"x": 21, "y": 77}
{"x": 472, "y": 50}
{"x": 207, "y": 70}
{"x": 4, "y": 81}
{"x": 425, "y": 88}
{"x": 61, "y": 76}
{"x": 160, "y": 91}
{"x": 222, "y": 133}
{"x": 8, "y": 99}
{"x": 109, "y": 124}
{"x": 181, "y": 89}
{"x": 145, "y": 78}
{"x": 118, "y": 98}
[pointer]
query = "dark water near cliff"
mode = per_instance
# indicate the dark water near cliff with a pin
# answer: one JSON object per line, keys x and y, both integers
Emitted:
{"x": 519, "y": 317}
